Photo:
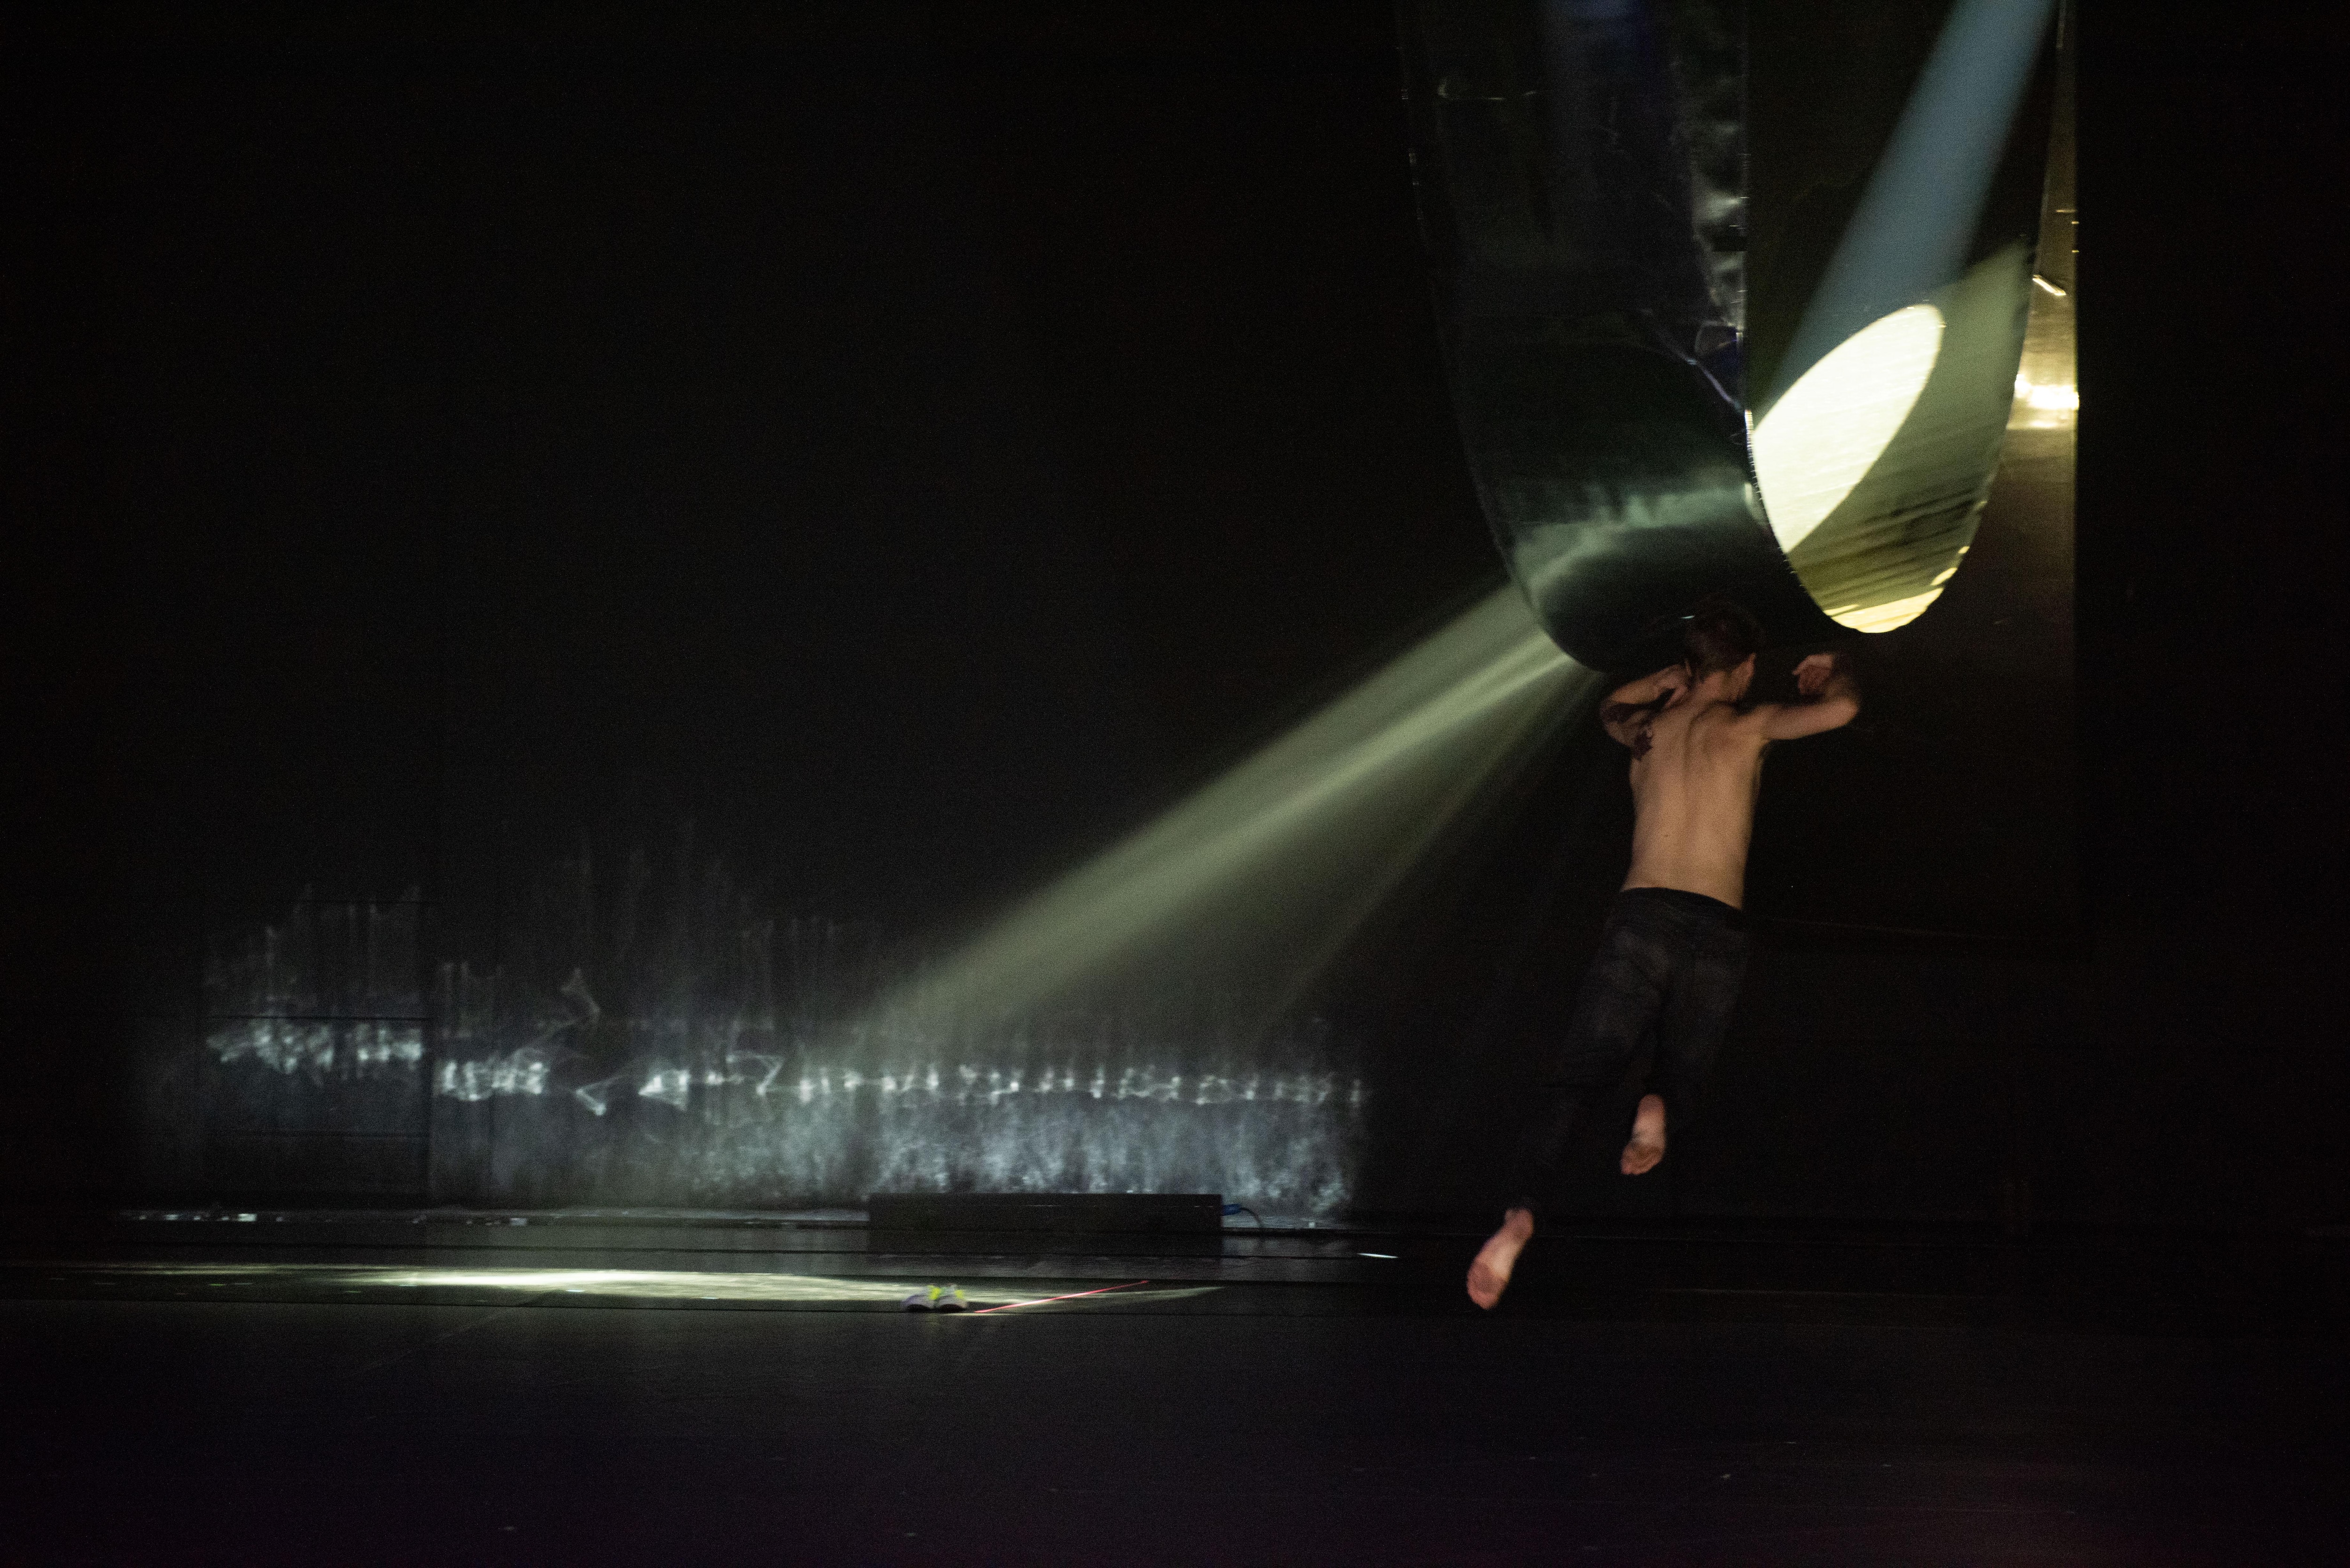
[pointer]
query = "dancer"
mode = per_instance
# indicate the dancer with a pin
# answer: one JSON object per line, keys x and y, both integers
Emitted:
{"x": 1674, "y": 948}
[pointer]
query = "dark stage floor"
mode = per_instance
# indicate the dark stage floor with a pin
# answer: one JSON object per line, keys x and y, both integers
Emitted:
{"x": 583, "y": 1389}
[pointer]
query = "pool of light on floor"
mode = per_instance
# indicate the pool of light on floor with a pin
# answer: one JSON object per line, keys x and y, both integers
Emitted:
{"x": 635, "y": 1285}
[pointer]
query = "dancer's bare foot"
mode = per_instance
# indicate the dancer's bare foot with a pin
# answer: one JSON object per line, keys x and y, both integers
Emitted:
{"x": 1488, "y": 1276}
{"x": 1648, "y": 1145}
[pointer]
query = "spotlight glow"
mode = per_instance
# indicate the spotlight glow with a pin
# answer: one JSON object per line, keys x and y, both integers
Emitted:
{"x": 1881, "y": 553}
{"x": 1269, "y": 869}
{"x": 2058, "y": 397}
{"x": 1899, "y": 371}
{"x": 1909, "y": 236}
{"x": 1820, "y": 440}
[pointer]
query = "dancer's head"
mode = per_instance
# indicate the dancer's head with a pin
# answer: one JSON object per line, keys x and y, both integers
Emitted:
{"x": 1719, "y": 642}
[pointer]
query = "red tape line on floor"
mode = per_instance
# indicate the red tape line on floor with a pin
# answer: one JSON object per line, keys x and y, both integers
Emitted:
{"x": 1073, "y": 1296}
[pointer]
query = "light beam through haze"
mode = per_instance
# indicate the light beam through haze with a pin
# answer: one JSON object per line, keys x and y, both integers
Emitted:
{"x": 1261, "y": 877}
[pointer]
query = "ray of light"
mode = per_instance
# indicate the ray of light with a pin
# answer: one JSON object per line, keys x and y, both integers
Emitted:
{"x": 1272, "y": 867}
{"x": 1910, "y": 234}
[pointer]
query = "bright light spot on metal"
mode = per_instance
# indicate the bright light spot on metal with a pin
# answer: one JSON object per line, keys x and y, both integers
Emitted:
{"x": 2056, "y": 397}
{"x": 1891, "y": 615}
{"x": 1820, "y": 440}
{"x": 1876, "y": 560}
{"x": 1876, "y": 445}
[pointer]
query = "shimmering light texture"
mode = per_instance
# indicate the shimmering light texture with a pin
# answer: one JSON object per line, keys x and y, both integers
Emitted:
{"x": 909, "y": 1113}
{"x": 314, "y": 1041}
{"x": 700, "y": 1052}
{"x": 287, "y": 1045}
{"x": 1263, "y": 876}
{"x": 1820, "y": 439}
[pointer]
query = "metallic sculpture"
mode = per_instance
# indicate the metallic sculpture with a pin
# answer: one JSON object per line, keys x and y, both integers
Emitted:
{"x": 1733, "y": 295}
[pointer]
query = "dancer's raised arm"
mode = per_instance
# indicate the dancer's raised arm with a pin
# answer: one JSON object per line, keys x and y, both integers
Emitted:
{"x": 1827, "y": 697}
{"x": 1629, "y": 703}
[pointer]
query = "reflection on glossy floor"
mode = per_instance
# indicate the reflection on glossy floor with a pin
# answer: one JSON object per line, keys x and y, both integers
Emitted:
{"x": 1644, "y": 1396}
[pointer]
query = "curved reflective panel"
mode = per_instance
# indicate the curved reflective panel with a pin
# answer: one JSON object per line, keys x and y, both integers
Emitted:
{"x": 1648, "y": 418}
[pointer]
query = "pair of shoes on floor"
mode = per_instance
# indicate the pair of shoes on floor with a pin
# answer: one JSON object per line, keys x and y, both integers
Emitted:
{"x": 932, "y": 1298}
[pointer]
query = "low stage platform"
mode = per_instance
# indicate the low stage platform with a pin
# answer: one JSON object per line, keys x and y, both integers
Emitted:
{"x": 628, "y": 1385}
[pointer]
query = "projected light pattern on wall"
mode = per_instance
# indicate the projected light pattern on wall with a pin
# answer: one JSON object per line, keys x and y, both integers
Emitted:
{"x": 793, "y": 1125}
{"x": 286, "y": 1045}
{"x": 734, "y": 1086}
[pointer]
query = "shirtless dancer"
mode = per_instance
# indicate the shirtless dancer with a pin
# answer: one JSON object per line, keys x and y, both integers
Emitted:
{"x": 1675, "y": 948}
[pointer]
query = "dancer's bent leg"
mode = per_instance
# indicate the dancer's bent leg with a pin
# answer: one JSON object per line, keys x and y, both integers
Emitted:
{"x": 1617, "y": 1004}
{"x": 1699, "y": 999}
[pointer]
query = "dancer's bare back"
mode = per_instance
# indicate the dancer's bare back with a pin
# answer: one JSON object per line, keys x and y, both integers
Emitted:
{"x": 1697, "y": 766}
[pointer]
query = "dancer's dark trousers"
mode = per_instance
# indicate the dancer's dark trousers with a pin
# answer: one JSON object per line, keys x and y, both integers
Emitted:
{"x": 1669, "y": 966}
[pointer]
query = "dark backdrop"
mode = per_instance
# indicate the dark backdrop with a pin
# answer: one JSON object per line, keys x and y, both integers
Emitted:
{"x": 907, "y": 445}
